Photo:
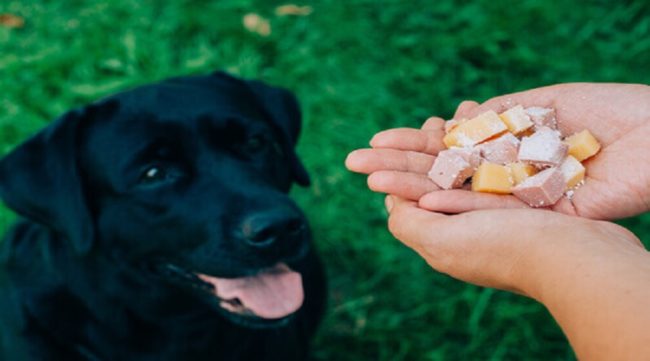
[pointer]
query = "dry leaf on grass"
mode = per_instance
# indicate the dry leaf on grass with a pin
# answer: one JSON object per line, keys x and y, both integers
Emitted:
{"x": 294, "y": 10}
{"x": 11, "y": 21}
{"x": 257, "y": 24}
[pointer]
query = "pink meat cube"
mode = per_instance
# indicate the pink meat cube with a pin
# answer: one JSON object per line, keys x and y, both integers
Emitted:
{"x": 502, "y": 150}
{"x": 543, "y": 148}
{"x": 542, "y": 117}
{"x": 543, "y": 189}
{"x": 453, "y": 166}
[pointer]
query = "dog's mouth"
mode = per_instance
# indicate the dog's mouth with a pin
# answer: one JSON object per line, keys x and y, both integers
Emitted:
{"x": 269, "y": 297}
{"x": 270, "y": 294}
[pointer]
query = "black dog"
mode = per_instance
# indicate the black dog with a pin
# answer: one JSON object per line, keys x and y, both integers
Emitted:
{"x": 157, "y": 226}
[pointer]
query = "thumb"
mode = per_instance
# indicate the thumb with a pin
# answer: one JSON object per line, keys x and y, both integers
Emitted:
{"x": 412, "y": 225}
{"x": 429, "y": 234}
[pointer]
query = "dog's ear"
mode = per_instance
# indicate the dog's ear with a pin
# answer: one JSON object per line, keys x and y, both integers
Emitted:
{"x": 281, "y": 106}
{"x": 40, "y": 180}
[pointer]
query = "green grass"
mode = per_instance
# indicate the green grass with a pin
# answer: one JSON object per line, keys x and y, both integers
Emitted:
{"x": 357, "y": 67}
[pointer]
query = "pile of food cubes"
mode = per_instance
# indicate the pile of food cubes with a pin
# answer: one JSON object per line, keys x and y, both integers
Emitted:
{"x": 519, "y": 152}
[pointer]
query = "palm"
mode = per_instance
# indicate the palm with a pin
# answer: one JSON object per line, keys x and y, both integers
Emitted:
{"x": 618, "y": 178}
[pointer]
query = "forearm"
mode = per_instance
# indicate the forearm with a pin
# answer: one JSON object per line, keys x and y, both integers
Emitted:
{"x": 597, "y": 287}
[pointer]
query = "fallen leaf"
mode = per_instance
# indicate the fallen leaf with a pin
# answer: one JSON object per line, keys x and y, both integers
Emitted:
{"x": 11, "y": 21}
{"x": 294, "y": 10}
{"x": 257, "y": 24}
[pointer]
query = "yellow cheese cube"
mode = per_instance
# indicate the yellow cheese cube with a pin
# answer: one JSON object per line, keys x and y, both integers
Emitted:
{"x": 516, "y": 119}
{"x": 453, "y": 123}
{"x": 492, "y": 178}
{"x": 475, "y": 130}
{"x": 573, "y": 171}
{"x": 582, "y": 145}
{"x": 521, "y": 171}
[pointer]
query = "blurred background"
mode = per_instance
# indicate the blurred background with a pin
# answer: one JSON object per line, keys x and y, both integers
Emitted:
{"x": 357, "y": 66}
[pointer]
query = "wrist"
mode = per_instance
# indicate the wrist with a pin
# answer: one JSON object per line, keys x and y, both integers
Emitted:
{"x": 595, "y": 286}
{"x": 571, "y": 250}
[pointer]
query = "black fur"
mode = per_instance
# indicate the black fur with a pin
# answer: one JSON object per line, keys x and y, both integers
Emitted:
{"x": 193, "y": 173}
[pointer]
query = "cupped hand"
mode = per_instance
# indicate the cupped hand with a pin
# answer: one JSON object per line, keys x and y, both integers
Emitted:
{"x": 521, "y": 251}
{"x": 617, "y": 182}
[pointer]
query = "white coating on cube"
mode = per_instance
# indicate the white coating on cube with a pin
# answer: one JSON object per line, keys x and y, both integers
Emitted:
{"x": 569, "y": 194}
{"x": 452, "y": 167}
{"x": 542, "y": 117}
{"x": 543, "y": 148}
{"x": 570, "y": 167}
{"x": 451, "y": 124}
{"x": 501, "y": 150}
{"x": 542, "y": 189}
{"x": 466, "y": 135}
{"x": 465, "y": 141}
{"x": 518, "y": 118}
{"x": 471, "y": 155}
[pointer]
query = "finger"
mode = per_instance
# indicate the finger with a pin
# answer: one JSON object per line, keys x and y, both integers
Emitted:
{"x": 410, "y": 224}
{"x": 416, "y": 140}
{"x": 565, "y": 205}
{"x": 434, "y": 124}
{"x": 437, "y": 238}
{"x": 465, "y": 108}
{"x": 541, "y": 97}
{"x": 576, "y": 107}
{"x": 471, "y": 246}
{"x": 372, "y": 160}
{"x": 459, "y": 201}
{"x": 464, "y": 200}
{"x": 406, "y": 185}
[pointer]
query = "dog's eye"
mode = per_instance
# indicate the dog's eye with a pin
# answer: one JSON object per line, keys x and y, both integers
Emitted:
{"x": 153, "y": 174}
{"x": 255, "y": 143}
{"x": 160, "y": 175}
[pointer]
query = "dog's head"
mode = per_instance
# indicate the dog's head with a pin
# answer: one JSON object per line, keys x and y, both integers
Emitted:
{"x": 184, "y": 181}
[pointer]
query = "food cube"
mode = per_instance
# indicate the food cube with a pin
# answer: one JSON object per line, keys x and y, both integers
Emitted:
{"x": 516, "y": 119}
{"x": 453, "y": 166}
{"x": 543, "y": 189}
{"x": 475, "y": 130}
{"x": 451, "y": 124}
{"x": 519, "y": 151}
{"x": 582, "y": 145}
{"x": 573, "y": 171}
{"x": 501, "y": 150}
{"x": 543, "y": 148}
{"x": 492, "y": 178}
{"x": 521, "y": 171}
{"x": 542, "y": 117}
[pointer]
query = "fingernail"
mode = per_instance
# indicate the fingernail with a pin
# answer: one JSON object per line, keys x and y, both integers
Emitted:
{"x": 389, "y": 202}
{"x": 349, "y": 160}
{"x": 372, "y": 140}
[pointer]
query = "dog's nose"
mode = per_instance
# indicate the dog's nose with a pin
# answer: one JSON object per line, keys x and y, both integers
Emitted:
{"x": 262, "y": 230}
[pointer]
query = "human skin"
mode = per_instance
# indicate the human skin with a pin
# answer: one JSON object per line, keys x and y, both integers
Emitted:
{"x": 593, "y": 276}
{"x": 617, "y": 183}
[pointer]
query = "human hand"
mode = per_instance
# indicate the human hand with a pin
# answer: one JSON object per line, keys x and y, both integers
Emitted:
{"x": 617, "y": 183}
{"x": 591, "y": 275}
{"x": 527, "y": 251}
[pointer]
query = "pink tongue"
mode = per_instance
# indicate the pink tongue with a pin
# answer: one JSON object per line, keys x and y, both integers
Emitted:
{"x": 273, "y": 293}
